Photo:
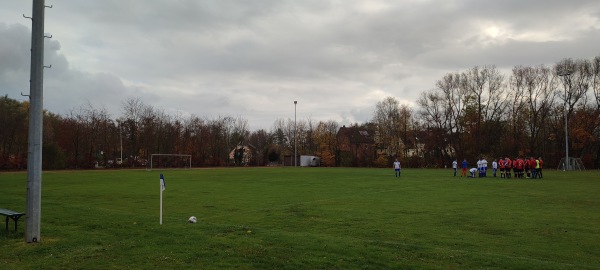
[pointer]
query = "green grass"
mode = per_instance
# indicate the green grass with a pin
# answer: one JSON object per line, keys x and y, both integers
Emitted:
{"x": 306, "y": 218}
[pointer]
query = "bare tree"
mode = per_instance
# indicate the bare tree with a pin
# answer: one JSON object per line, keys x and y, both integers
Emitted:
{"x": 577, "y": 77}
{"x": 405, "y": 128}
{"x": 539, "y": 91}
{"x": 595, "y": 69}
{"x": 453, "y": 101}
{"x": 517, "y": 110}
{"x": 486, "y": 95}
{"x": 261, "y": 140}
{"x": 311, "y": 146}
{"x": 435, "y": 120}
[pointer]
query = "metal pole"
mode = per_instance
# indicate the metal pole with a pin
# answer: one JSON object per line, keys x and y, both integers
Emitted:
{"x": 34, "y": 153}
{"x": 295, "y": 133}
{"x": 566, "y": 134}
{"x": 565, "y": 74}
{"x": 121, "y": 140}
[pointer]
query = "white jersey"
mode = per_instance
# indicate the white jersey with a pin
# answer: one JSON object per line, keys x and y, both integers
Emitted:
{"x": 484, "y": 163}
{"x": 494, "y": 164}
{"x": 454, "y": 164}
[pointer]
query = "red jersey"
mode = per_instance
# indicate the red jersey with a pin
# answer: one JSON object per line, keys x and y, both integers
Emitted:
{"x": 501, "y": 163}
{"x": 508, "y": 163}
{"x": 520, "y": 164}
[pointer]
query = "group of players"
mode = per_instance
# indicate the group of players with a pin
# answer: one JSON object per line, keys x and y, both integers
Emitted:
{"x": 519, "y": 167}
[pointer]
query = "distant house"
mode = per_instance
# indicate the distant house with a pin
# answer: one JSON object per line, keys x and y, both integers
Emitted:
{"x": 241, "y": 154}
{"x": 356, "y": 147}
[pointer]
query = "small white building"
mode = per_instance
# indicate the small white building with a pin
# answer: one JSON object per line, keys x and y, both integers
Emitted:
{"x": 310, "y": 161}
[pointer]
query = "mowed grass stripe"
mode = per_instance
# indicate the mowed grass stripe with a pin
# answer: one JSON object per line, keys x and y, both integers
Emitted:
{"x": 308, "y": 218}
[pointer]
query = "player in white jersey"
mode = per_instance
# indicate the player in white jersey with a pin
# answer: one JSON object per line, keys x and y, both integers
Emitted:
{"x": 484, "y": 165}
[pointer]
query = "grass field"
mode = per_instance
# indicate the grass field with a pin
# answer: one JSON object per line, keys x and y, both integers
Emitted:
{"x": 306, "y": 218}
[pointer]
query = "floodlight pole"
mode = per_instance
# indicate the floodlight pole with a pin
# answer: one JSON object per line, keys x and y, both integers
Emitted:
{"x": 295, "y": 134}
{"x": 565, "y": 75}
{"x": 34, "y": 152}
{"x": 121, "y": 140}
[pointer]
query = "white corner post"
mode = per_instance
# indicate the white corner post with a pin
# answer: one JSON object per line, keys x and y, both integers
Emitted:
{"x": 162, "y": 185}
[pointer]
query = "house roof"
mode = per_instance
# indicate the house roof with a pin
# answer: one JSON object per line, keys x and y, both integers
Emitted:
{"x": 356, "y": 134}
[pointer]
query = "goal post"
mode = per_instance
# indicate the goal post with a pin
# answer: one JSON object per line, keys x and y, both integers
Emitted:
{"x": 572, "y": 164}
{"x": 173, "y": 161}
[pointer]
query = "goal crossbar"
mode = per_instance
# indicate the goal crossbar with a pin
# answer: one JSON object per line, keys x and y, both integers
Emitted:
{"x": 189, "y": 157}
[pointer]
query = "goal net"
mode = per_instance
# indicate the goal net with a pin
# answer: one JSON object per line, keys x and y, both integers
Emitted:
{"x": 572, "y": 164}
{"x": 171, "y": 161}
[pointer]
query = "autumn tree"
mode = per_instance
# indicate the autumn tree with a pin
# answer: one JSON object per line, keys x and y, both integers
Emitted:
{"x": 386, "y": 118}
{"x": 13, "y": 134}
{"x": 325, "y": 137}
{"x": 260, "y": 141}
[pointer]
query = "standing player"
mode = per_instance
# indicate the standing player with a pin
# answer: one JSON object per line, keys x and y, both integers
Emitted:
{"x": 480, "y": 167}
{"x": 520, "y": 168}
{"x": 501, "y": 164}
{"x": 535, "y": 165}
{"x": 454, "y": 166}
{"x": 508, "y": 165}
{"x": 464, "y": 166}
{"x": 515, "y": 170}
{"x": 495, "y": 167}
{"x": 528, "y": 167}
{"x": 539, "y": 170}
{"x": 484, "y": 165}
{"x": 397, "y": 167}
{"x": 523, "y": 164}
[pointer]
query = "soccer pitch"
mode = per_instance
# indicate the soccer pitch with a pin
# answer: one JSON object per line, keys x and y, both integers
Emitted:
{"x": 306, "y": 218}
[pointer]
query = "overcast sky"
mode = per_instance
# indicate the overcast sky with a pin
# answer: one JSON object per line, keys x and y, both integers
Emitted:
{"x": 253, "y": 58}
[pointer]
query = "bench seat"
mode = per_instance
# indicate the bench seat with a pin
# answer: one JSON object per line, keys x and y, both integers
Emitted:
{"x": 14, "y": 215}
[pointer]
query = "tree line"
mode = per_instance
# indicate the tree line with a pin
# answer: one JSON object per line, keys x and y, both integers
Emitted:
{"x": 483, "y": 112}
{"x": 468, "y": 114}
{"x": 88, "y": 137}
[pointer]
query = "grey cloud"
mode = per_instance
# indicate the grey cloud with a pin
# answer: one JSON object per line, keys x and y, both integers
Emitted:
{"x": 229, "y": 57}
{"x": 14, "y": 47}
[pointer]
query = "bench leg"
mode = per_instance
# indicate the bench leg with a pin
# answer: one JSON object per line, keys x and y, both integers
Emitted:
{"x": 6, "y": 225}
{"x": 16, "y": 220}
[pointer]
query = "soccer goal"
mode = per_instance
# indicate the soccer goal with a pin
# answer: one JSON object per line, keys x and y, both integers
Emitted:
{"x": 573, "y": 164}
{"x": 172, "y": 161}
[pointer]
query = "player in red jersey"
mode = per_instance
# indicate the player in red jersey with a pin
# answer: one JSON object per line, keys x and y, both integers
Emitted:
{"x": 508, "y": 164}
{"x": 520, "y": 167}
{"x": 539, "y": 171}
{"x": 501, "y": 164}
